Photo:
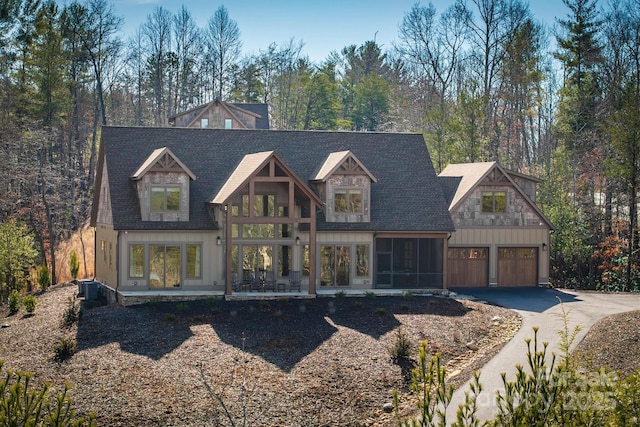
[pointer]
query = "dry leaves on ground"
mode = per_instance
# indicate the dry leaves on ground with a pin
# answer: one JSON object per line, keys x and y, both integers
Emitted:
{"x": 322, "y": 361}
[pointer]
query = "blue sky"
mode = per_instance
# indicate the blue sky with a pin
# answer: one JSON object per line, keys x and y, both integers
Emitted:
{"x": 322, "y": 25}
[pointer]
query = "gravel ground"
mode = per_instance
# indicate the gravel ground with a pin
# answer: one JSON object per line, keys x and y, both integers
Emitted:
{"x": 319, "y": 362}
{"x": 612, "y": 343}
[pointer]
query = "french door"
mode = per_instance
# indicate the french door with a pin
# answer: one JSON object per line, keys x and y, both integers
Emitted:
{"x": 164, "y": 266}
{"x": 334, "y": 265}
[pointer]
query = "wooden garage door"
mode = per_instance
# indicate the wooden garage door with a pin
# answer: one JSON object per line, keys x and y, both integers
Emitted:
{"x": 467, "y": 267}
{"x": 517, "y": 266}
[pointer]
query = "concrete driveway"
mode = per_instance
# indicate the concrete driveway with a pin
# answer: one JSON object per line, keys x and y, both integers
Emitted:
{"x": 538, "y": 307}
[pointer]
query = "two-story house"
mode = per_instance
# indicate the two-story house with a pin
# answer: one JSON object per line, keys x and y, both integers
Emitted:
{"x": 221, "y": 210}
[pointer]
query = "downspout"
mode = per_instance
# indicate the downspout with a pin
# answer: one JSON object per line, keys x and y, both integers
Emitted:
{"x": 95, "y": 251}
{"x": 117, "y": 263}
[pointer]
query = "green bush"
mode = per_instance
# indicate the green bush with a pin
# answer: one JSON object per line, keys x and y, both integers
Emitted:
{"x": 71, "y": 314}
{"x": 30, "y": 303}
{"x": 15, "y": 300}
{"x": 74, "y": 265}
{"x": 432, "y": 392}
{"x": 627, "y": 411}
{"x": 182, "y": 307}
{"x": 44, "y": 278}
{"x": 370, "y": 294}
{"x": 401, "y": 347}
{"x": 23, "y": 404}
{"x": 64, "y": 348}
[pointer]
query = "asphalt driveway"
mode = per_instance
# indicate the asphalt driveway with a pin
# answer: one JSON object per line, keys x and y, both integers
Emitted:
{"x": 543, "y": 308}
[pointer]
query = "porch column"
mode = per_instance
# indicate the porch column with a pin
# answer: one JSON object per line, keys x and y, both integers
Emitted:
{"x": 312, "y": 249}
{"x": 228, "y": 290}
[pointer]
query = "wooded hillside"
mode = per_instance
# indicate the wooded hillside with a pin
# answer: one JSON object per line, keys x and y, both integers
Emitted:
{"x": 482, "y": 80}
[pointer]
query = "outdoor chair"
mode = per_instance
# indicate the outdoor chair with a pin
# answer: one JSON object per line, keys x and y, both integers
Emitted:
{"x": 247, "y": 279}
{"x": 294, "y": 280}
{"x": 235, "y": 283}
{"x": 269, "y": 283}
{"x": 256, "y": 281}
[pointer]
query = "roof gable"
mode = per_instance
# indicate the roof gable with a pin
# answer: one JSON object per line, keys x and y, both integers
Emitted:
{"x": 249, "y": 167}
{"x": 161, "y": 160}
{"x": 342, "y": 162}
{"x": 487, "y": 173}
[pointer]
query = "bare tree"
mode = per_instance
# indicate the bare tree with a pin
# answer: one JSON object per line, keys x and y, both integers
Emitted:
{"x": 498, "y": 21}
{"x": 434, "y": 47}
{"x": 157, "y": 39}
{"x": 223, "y": 43}
{"x": 188, "y": 52}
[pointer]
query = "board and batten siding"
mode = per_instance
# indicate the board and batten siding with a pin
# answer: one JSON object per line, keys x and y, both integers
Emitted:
{"x": 106, "y": 244}
{"x": 506, "y": 237}
{"x": 352, "y": 239}
{"x": 211, "y": 263}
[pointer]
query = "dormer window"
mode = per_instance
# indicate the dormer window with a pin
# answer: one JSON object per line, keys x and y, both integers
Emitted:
{"x": 162, "y": 184}
{"x": 165, "y": 199}
{"x": 228, "y": 124}
{"x": 204, "y": 123}
{"x": 347, "y": 201}
{"x": 345, "y": 185}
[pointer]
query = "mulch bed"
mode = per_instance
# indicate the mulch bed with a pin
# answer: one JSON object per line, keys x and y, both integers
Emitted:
{"x": 612, "y": 343}
{"x": 317, "y": 362}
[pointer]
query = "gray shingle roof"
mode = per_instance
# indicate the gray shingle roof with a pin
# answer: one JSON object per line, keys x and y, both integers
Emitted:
{"x": 262, "y": 110}
{"x": 407, "y": 196}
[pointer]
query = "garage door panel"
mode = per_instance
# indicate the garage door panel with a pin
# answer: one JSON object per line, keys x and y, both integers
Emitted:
{"x": 517, "y": 266}
{"x": 467, "y": 267}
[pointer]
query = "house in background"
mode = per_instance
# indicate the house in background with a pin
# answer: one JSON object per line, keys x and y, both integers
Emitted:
{"x": 201, "y": 211}
{"x": 502, "y": 237}
{"x": 223, "y": 115}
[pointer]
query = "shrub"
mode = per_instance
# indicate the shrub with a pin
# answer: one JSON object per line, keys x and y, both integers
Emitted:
{"x": 71, "y": 314}
{"x": 429, "y": 386}
{"x": 212, "y": 301}
{"x": 74, "y": 265}
{"x": 401, "y": 347}
{"x": 341, "y": 294}
{"x": 370, "y": 294}
{"x": 182, "y": 307}
{"x": 14, "y": 302}
{"x": 381, "y": 311}
{"x": 627, "y": 411}
{"x": 30, "y": 302}
{"x": 44, "y": 278}
{"x": 64, "y": 348}
{"x": 23, "y": 404}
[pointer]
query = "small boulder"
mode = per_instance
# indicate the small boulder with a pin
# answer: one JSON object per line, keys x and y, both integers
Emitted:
{"x": 387, "y": 407}
{"x": 471, "y": 345}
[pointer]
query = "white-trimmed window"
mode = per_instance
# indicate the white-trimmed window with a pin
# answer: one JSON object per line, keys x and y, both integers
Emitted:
{"x": 228, "y": 124}
{"x": 347, "y": 200}
{"x": 194, "y": 261}
{"x": 494, "y": 201}
{"x": 136, "y": 261}
{"x": 165, "y": 199}
{"x": 204, "y": 123}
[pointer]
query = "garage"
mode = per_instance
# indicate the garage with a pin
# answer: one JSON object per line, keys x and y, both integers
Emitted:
{"x": 517, "y": 266}
{"x": 467, "y": 267}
